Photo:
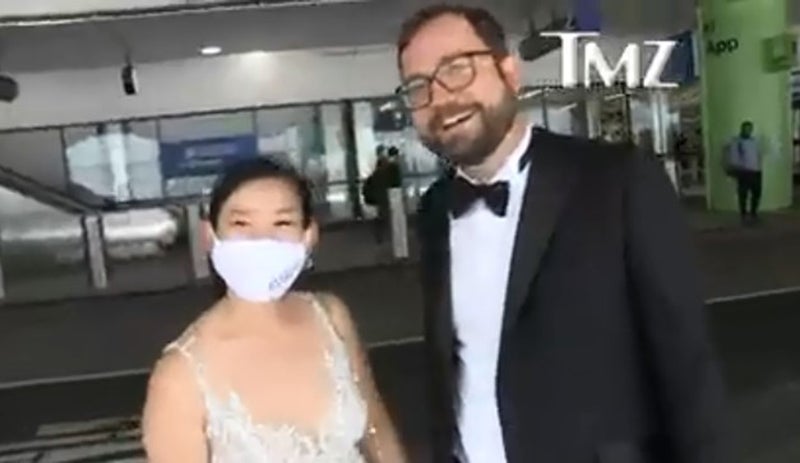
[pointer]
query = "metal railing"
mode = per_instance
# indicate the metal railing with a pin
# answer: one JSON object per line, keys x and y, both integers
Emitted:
{"x": 98, "y": 262}
{"x": 29, "y": 187}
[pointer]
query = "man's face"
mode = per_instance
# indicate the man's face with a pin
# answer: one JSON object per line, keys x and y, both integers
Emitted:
{"x": 747, "y": 130}
{"x": 467, "y": 121}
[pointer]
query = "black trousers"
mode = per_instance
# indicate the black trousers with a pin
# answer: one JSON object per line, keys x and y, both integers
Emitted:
{"x": 381, "y": 223}
{"x": 748, "y": 186}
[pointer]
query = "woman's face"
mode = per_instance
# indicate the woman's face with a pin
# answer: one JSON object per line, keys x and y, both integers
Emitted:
{"x": 265, "y": 208}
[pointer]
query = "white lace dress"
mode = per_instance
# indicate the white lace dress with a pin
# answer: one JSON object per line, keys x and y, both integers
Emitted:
{"x": 233, "y": 436}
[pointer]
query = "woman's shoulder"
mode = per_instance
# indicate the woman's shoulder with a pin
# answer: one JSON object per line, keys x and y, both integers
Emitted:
{"x": 338, "y": 313}
{"x": 172, "y": 391}
{"x": 180, "y": 358}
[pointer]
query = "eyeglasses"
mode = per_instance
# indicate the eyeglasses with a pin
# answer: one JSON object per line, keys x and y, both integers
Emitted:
{"x": 454, "y": 73}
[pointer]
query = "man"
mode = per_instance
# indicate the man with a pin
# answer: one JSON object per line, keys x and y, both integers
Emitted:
{"x": 563, "y": 319}
{"x": 744, "y": 159}
{"x": 395, "y": 173}
{"x": 375, "y": 191}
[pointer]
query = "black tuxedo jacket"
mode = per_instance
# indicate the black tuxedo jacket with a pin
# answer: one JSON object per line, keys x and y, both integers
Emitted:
{"x": 604, "y": 356}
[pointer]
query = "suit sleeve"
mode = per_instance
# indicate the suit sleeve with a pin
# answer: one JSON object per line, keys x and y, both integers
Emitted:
{"x": 672, "y": 313}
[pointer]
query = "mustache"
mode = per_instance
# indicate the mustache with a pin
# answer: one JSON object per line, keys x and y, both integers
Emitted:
{"x": 447, "y": 111}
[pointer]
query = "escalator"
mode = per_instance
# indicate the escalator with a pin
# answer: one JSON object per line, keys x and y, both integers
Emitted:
{"x": 44, "y": 249}
{"x": 82, "y": 201}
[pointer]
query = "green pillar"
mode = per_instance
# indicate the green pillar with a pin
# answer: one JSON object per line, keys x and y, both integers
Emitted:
{"x": 745, "y": 58}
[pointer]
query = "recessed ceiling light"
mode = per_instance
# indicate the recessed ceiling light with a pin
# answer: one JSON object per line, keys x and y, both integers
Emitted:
{"x": 210, "y": 50}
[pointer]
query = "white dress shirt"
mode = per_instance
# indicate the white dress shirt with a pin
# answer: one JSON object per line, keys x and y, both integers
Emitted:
{"x": 481, "y": 245}
{"x": 747, "y": 155}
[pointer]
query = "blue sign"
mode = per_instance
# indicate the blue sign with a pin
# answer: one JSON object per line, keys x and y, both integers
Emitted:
{"x": 588, "y": 15}
{"x": 208, "y": 156}
{"x": 681, "y": 65}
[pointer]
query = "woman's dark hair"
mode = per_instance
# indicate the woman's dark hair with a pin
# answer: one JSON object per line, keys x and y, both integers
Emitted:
{"x": 243, "y": 172}
{"x": 258, "y": 169}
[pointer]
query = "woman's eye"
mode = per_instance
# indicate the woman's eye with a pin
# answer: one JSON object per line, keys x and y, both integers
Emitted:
{"x": 239, "y": 223}
{"x": 284, "y": 223}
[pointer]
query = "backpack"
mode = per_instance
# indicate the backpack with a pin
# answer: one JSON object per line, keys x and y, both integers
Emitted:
{"x": 369, "y": 191}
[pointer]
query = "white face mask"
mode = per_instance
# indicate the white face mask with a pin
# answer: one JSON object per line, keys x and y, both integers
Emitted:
{"x": 258, "y": 270}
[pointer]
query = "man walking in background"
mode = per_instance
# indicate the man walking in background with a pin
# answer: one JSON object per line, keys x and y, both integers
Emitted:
{"x": 745, "y": 161}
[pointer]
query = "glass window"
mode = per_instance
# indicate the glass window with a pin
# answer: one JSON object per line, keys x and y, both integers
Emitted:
{"x": 310, "y": 138}
{"x": 36, "y": 154}
{"x": 386, "y": 125}
{"x": 116, "y": 161}
{"x": 366, "y": 137}
{"x": 380, "y": 125}
{"x": 687, "y": 136}
{"x": 647, "y": 114}
{"x": 43, "y": 252}
{"x": 291, "y": 134}
{"x": 567, "y": 111}
{"x": 193, "y": 150}
{"x": 533, "y": 106}
{"x": 614, "y": 115}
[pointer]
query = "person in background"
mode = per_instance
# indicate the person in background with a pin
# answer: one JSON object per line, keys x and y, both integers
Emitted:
{"x": 375, "y": 192}
{"x": 745, "y": 160}
{"x": 266, "y": 373}
{"x": 395, "y": 172}
{"x": 563, "y": 318}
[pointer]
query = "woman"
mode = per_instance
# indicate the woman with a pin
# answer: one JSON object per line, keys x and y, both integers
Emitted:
{"x": 266, "y": 374}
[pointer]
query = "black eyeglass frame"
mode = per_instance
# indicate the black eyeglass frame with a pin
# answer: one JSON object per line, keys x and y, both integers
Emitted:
{"x": 427, "y": 80}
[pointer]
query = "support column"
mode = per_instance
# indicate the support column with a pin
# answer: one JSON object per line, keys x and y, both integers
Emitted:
{"x": 745, "y": 57}
{"x": 594, "y": 109}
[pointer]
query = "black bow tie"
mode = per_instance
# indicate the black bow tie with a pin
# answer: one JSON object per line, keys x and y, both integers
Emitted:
{"x": 464, "y": 194}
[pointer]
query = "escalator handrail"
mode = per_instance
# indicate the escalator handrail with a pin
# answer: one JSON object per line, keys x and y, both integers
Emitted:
{"x": 46, "y": 194}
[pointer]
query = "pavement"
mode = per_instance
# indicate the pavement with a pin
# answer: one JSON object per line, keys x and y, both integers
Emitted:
{"x": 756, "y": 341}
{"x": 112, "y": 333}
{"x": 750, "y": 278}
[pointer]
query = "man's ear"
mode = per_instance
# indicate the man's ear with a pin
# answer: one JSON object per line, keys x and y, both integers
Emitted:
{"x": 511, "y": 68}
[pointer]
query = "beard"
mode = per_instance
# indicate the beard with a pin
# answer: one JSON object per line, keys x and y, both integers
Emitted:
{"x": 471, "y": 146}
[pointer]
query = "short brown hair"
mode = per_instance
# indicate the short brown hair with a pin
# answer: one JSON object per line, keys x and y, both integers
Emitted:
{"x": 482, "y": 21}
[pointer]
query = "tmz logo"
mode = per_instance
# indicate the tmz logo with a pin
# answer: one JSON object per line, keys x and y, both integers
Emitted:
{"x": 636, "y": 75}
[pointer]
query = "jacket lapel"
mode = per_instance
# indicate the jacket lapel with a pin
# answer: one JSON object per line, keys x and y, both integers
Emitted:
{"x": 550, "y": 179}
{"x": 437, "y": 240}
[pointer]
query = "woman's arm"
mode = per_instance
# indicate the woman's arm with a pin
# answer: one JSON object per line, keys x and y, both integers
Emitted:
{"x": 381, "y": 444}
{"x": 172, "y": 421}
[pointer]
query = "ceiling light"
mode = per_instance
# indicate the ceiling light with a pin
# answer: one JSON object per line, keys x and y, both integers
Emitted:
{"x": 210, "y": 50}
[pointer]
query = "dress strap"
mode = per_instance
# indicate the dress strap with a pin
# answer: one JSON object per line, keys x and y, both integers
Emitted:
{"x": 195, "y": 363}
{"x": 324, "y": 314}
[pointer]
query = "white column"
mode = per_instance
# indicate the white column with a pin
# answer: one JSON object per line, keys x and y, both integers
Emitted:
{"x": 365, "y": 137}
{"x": 331, "y": 117}
{"x": 594, "y": 104}
{"x": 659, "y": 110}
{"x": 93, "y": 237}
{"x": 200, "y": 267}
{"x": 397, "y": 213}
